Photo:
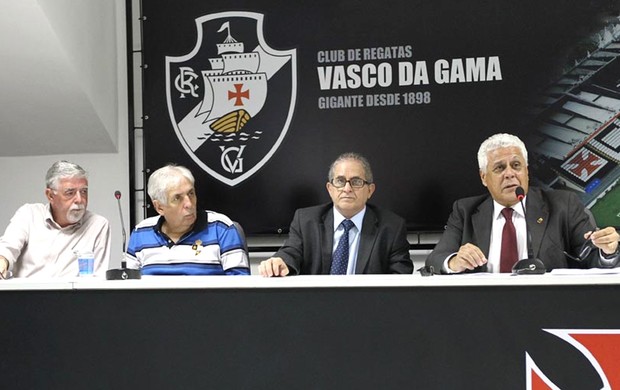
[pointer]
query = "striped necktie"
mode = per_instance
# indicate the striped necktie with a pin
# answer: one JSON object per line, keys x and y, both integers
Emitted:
{"x": 340, "y": 258}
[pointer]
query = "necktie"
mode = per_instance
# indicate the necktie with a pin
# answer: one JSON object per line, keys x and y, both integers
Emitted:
{"x": 340, "y": 258}
{"x": 509, "y": 253}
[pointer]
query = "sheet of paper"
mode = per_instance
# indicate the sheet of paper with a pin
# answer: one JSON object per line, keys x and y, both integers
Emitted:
{"x": 589, "y": 271}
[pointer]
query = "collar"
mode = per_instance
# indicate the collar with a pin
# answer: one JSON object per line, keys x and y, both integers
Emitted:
{"x": 357, "y": 219}
{"x": 518, "y": 210}
{"x": 199, "y": 225}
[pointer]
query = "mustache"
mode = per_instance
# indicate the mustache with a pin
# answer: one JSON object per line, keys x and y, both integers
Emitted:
{"x": 77, "y": 207}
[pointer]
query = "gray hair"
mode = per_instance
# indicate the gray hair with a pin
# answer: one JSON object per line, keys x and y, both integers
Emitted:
{"x": 351, "y": 156}
{"x": 164, "y": 178}
{"x": 496, "y": 141}
{"x": 63, "y": 170}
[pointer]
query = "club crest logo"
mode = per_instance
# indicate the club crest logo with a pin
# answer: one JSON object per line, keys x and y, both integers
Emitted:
{"x": 231, "y": 99}
{"x": 601, "y": 347}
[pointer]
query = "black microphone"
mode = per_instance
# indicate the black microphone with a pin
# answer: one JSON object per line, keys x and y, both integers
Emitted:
{"x": 520, "y": 193}
{"x": 123, "y": 272}
{"x": 117, "y": 195}
{"x": 530, "y": 265}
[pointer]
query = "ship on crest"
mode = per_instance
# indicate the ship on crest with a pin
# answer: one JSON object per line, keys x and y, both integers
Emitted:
{"x": 234, "y": 89}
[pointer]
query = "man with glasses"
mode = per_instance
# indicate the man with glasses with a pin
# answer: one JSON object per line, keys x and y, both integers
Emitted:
{"x": 42, "y": 239}
{"x": 347, "y": 236}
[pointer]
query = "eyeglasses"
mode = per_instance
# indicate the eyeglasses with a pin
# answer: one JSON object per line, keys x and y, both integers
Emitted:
{"x": 584, "y": 252}
{"x": 355, "y": 182}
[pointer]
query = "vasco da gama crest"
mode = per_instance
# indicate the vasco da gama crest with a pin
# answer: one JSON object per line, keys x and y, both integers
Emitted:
{"x": 231, "y": 99}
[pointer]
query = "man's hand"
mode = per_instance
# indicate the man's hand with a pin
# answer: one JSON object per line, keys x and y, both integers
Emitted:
{"x": 468, "y": 257}
{"x": 273, "y": 266}
{"x": 605, "y": 239}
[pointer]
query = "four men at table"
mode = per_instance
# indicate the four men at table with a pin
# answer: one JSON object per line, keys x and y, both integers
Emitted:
{"x": 485, "y": 233}
{"x": 557, "y": 221}
{"x": 42, "y": 239}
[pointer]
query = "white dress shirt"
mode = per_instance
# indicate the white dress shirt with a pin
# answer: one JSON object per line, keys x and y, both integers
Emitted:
{"x": 495, "y": 247}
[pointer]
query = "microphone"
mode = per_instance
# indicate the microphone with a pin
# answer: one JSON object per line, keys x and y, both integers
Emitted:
{"x": 530, "y": 265}
{"x": 123, "y": 272}
{"x": 117, "y": 195}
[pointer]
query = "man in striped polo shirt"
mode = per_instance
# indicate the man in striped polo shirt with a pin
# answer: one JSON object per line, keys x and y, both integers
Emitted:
{"x": 183, "y": 240}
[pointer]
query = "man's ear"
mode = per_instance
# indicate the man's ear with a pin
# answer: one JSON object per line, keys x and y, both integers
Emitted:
{"x": 371, "y": 189}
{"x": 49, "y": 194}
{"x": 483, "y": 178}
{"x": 158, "y": 207}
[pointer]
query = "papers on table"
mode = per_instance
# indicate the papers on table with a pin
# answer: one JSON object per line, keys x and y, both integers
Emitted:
{"x": 589, "y": 271}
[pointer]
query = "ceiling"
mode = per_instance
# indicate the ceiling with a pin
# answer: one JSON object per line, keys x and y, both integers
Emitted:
{"x": 59, "y": 80}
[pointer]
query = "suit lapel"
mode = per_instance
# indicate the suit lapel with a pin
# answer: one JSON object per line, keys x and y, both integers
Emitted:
{"x": 367, "y": 240}
{"x": 482, "y": 221}
{"x": 537, "y": 218}
{"x": 326, "y": 241}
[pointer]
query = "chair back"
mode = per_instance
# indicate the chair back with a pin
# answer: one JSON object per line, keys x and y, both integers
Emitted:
{"x": 242, "y": 235}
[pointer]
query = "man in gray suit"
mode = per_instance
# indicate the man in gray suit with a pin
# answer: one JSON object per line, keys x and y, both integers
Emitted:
{"x": 557, "y": 220}
{"x": 377, "y": 238}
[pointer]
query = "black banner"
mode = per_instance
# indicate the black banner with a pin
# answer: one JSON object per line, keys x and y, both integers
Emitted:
{"x": 257, "y": 98}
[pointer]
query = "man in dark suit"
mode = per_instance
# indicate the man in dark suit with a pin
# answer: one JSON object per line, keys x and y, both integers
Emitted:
{"x": 557, "y": 221}
{"x": 377, "y": 238}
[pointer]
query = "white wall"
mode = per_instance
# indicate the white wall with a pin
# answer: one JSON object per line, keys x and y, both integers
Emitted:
{"x": 22, "y": 178}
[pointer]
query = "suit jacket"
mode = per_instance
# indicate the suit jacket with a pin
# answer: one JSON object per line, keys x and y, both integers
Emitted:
{"x": 383, "y": 244}
{"x": 556, "y": 221}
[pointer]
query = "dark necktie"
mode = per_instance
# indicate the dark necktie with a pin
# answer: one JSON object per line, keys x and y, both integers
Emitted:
{"x": 509, "y": 254}
{"x": 340, "y": 258}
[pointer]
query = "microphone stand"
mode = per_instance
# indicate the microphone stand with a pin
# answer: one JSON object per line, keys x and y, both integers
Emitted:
{"x": 122, "y": 273}
{"x": 530, "y": 265}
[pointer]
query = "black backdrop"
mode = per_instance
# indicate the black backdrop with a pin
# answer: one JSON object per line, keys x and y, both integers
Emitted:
{"x": 423, "y": 155}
